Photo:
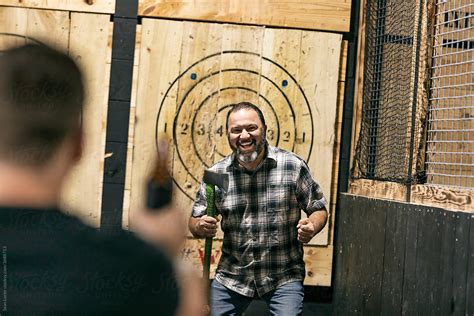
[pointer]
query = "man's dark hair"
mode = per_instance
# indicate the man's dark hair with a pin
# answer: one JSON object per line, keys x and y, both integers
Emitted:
{"x": 41, "y": 97}
{"x": 244, "y": 106}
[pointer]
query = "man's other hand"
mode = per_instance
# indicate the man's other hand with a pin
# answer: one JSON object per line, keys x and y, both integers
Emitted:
{"x": 306, "y": 230}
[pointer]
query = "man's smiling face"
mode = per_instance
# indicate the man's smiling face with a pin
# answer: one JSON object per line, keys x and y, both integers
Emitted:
{"x": 246, "y": 135}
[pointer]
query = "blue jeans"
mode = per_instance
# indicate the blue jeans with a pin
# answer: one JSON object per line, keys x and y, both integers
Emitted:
{"x": 285, "y": 300}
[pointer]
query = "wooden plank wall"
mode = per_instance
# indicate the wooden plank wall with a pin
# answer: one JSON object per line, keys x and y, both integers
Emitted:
{"x": 97, "y": 6}
{"x": 397, "y": 258}
{"x": 77, "y": 33}
{"x": 200, "y": 68}
{"x": 328, "y": 15}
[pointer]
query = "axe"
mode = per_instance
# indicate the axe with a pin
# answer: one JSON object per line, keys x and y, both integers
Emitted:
{"x": 212, "y": 179}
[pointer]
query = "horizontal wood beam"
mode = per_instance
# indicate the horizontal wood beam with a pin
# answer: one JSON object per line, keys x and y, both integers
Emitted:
{"x": 95, "y": 6}
{"x": 327, "y": 15}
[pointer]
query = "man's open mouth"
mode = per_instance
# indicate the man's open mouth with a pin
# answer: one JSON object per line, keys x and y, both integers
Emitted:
{"x": 247, "y": 145}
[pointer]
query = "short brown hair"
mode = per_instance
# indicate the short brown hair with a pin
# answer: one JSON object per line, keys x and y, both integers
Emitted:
{"x": 41, "y": 98}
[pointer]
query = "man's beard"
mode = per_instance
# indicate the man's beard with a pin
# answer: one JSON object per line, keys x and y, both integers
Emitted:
{"x": 250, "y": 156}
{"x": 247, "y": 157}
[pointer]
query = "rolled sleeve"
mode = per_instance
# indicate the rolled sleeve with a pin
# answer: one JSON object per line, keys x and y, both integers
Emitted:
{"x": 309, "y": 194}
{"x": 200, "y": 203}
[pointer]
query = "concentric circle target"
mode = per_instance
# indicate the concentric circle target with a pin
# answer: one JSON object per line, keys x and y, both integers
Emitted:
{"x": 195, "y": 115}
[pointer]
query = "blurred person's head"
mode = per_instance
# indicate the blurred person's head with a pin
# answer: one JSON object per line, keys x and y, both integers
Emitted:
{"x": 41, "y": 98}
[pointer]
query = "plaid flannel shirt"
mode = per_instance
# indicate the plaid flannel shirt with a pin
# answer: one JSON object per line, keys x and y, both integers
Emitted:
{"x": 260, "y": 212}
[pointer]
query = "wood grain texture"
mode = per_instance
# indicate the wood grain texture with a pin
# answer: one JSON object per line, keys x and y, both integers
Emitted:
{"x": 131, "y": 131}
{"x": 164, "y": 60}
{"x": 322, "y": 95}
{"x": 394, "y": 258}
{"x": 13, "y": 27}
{"x": 83, "y": 189}
{"x": 425, "y": 252}
{"x": 49, "y": 27}
{"x": 97, "y": 6}
{"x": 343, "y": 61}
{"x": 359, "y": 86}
{"x": 337, "y": 140}
{"x": 444, "y": 197}
{"x": 378, "y": 189}
{"x": 329, "y": 15}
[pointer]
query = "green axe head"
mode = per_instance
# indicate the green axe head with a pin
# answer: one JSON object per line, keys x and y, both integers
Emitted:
{"x": 221, "y": 180}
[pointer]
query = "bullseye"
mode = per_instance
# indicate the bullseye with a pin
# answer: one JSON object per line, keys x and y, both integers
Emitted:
{"x": 198, "y": 126}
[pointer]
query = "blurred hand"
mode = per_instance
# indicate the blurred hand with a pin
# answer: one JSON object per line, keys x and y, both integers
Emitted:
{"x": 306, "y": 230}
{"x": 193, "y": 291}
{"x": 166, "y": 228}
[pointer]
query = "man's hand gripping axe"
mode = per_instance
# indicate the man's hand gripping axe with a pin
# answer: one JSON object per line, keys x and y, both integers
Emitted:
{"x": 212, "y": 179}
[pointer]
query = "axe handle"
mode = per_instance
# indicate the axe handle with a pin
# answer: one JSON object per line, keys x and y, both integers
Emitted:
{"x": 211, "y": 211}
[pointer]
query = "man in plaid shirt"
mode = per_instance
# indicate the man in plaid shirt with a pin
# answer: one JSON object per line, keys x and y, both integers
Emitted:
{"x": 262, "y": 251}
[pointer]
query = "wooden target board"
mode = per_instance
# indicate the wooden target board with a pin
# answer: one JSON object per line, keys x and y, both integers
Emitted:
{"x": 200, "y": 119}
{"x": 75, "y": 33}
{"x": 188, "y": 73}
{"x": 187, "y": 82}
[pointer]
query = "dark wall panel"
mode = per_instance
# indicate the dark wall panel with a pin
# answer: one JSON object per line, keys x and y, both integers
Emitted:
{"x": 460, "y": 266}
{"x": 372, "y": 260}
{"x": 409, "y": 269}
{"x": 428, "y": 285}
{"x": 398, "y": 258}
{"x": 470, "y": 279}
{"x": 447, "y": 261}
{"x": 394, "y": 260}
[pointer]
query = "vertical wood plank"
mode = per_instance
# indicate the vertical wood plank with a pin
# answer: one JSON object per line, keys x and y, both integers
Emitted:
{"x": 49, "y": 27}
{"x": 337, "y": 140}
{"x": 197, "y": 100}
{"x": 320, "y": 85}
{"x": 359, "y": 84}
{"x": 470, "y": 276}
{"x": 373, "y": 241}
{"x": 131, "y": 130}
{"x": 409, "y": 299}
{"x": 14, "y": 22}
{"x": 158, "y": 67}
{"x": 345, "y": 255}
{"x": 340, "y": 265}
{"x": 427, "y": 264}
{"x": 394, "y": 258}
{"x": 240, "y": 69}
{"x": 446, "y": 259}
{"x": 282, "y": 47}
{"x": 461, "y": 261}
{"x": 349, "y": 286}
{"x": 83, "y": 189}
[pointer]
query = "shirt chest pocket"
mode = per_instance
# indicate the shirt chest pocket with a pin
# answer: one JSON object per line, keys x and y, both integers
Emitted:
{"x": 279, "y": 196}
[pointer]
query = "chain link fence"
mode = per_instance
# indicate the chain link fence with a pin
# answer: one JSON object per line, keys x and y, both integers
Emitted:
{"x": 417, "y": 122}
{"x": 450, "y": 141}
